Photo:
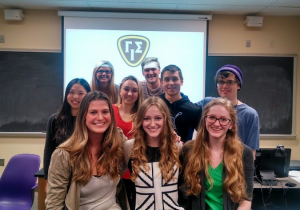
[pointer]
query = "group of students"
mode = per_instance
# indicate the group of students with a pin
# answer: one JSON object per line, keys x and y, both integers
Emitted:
{"x": 103, "y": 132}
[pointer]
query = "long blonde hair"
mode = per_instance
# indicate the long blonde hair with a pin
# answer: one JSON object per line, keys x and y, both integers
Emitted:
{"x": 110, "y": 155}
{"x": 198, "y": 158}
{"x": 168, "y": 149}
{"x": 95, "y": 84}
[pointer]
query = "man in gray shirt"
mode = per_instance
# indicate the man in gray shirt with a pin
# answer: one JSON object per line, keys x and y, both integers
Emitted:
{"x": 152, "y": 85}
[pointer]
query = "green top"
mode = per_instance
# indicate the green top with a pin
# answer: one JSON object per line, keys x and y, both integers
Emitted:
{"x": 214, "y": 196}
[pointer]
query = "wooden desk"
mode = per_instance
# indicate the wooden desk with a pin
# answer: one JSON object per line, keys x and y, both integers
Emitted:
{"x": 281, "y": 183}
{"x": 279, "y": 197}
{"x": 41, "y": 189}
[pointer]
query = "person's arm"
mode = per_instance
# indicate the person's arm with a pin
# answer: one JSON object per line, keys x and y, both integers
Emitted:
{"x": 58, "y": 179}
{"x": 123, "y": 137}
{"x": 254, "y": 154}
{"x": 183, "y": 199}
{"x": 127, "y": 146}
{"x": 251, "y": 137}
{"x": 244, "y": 205}
{"x": 248, "y": 173}
{"x": 198, "y": 116}
{"x": 50, "y": 144}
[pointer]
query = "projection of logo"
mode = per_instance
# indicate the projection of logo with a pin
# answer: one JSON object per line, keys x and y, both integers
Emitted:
{"x": 133, "y": 49}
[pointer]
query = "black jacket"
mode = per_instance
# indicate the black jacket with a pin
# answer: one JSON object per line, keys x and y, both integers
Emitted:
{"x": 185, "y": 116}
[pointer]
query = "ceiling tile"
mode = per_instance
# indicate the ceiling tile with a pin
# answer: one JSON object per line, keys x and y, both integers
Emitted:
{"x": 42, "y": 4}
{"x": 280, "y": 11}
{"x": 230, "y": 2}
{"x": 287, "y": 3}
{"x": 242, "y": 7}
{"x": 119, "y": 5}
{"x": 152, "y": 1}
{"x": 222, "y": 9}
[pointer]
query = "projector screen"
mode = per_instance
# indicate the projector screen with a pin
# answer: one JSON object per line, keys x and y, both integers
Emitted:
{"x": 125, "y": 42}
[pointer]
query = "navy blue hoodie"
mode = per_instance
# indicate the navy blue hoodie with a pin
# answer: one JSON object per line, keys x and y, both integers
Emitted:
{"x": 185, "y": 116}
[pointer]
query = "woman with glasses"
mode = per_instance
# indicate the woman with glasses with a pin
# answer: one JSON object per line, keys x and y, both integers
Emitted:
{"x": 60, "y": 125}
{"x": 103, "y": 80}
{"x": 217, "y": 168}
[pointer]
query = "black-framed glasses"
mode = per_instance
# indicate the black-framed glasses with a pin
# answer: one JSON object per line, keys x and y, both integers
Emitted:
{"x": 104, "y": 71}
{"x": 228, "y": 82}
{"x": 212, "y": 119}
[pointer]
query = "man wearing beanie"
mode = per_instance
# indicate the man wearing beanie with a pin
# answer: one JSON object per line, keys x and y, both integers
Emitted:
{"x": 229, "y": 80}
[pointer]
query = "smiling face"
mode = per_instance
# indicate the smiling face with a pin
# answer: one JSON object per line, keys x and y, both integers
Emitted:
{"x": 98, "y": 118}
{"x": 172, "y": 83}
{"x": 228, "y": 91}
{"x": 153, "y": 123}
{"x": 216, "y": 130}
{"x": 129, "y": 92}
{"x": 75, "y": 96}
{"x": 151, "y": 73}
{"x": 103, "y": 74}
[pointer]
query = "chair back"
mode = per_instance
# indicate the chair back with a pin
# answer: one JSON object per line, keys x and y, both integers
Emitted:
{"x": 17, "y": 181}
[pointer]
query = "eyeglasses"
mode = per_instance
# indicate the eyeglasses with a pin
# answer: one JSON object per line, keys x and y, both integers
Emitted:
{"x": 229, "y": 82}
{"x": 104, "y": 71}
{"x": 213, "y": 119}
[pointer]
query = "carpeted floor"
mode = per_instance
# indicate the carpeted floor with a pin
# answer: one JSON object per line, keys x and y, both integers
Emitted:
{"x": 34, "y": 205}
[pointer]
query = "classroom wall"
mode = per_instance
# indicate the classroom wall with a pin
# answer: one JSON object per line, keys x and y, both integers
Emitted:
{"x": 39, "y": 31}
{"x": 42, "y": 30}
{"x": 227, "y": 34}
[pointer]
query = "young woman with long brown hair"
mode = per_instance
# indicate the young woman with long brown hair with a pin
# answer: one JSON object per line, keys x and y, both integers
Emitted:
{"x": 85, "y": 170}
{"x": 217, "y": 168}
{"x": 130, "y": 99}
{"x": 153, "y": 158}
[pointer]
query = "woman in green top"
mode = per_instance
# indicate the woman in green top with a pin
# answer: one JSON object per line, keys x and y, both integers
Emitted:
{"x": 217, "y": 167}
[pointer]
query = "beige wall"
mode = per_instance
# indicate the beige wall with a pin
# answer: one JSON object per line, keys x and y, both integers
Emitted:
{"x": 41, "y": 30}
{"x": 227, "y": 34}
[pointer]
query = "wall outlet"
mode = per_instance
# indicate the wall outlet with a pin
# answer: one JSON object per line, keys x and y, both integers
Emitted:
{"x": 272, "y": 44}
{"x": 2, "y": 39}
{"x": 1, "y": 162}
{"x": 248, "y": 43}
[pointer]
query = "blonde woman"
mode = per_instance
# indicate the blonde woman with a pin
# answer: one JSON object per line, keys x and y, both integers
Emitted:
{"x": 103, "y": 80}
{"x": 85, "y": 170}
{"x": 153, "y": 158}
{"x": 217, "y": 166}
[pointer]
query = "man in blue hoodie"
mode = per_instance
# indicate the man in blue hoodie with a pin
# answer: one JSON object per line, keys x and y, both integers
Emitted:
{"x": 229, "y": 80}
{"x": 185, "y": 115}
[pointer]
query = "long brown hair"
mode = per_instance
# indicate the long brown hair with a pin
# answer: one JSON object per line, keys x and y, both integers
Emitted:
{"x": 140, "y": 98}
{"x": 95, "y": 84}
{"x": 168, "y": 149}
{"x": 110, "y": 154}
{"x": 198, "y": 158}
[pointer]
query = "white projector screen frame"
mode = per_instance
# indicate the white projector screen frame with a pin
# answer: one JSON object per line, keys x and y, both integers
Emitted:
{"x": 87, "y": 41}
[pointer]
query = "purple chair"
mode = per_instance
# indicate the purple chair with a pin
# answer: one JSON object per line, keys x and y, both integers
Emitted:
{"x": 17, "y": 182}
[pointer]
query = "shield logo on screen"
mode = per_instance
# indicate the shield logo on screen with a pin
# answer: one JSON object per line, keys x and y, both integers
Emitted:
{"x": 133, "y": 49}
